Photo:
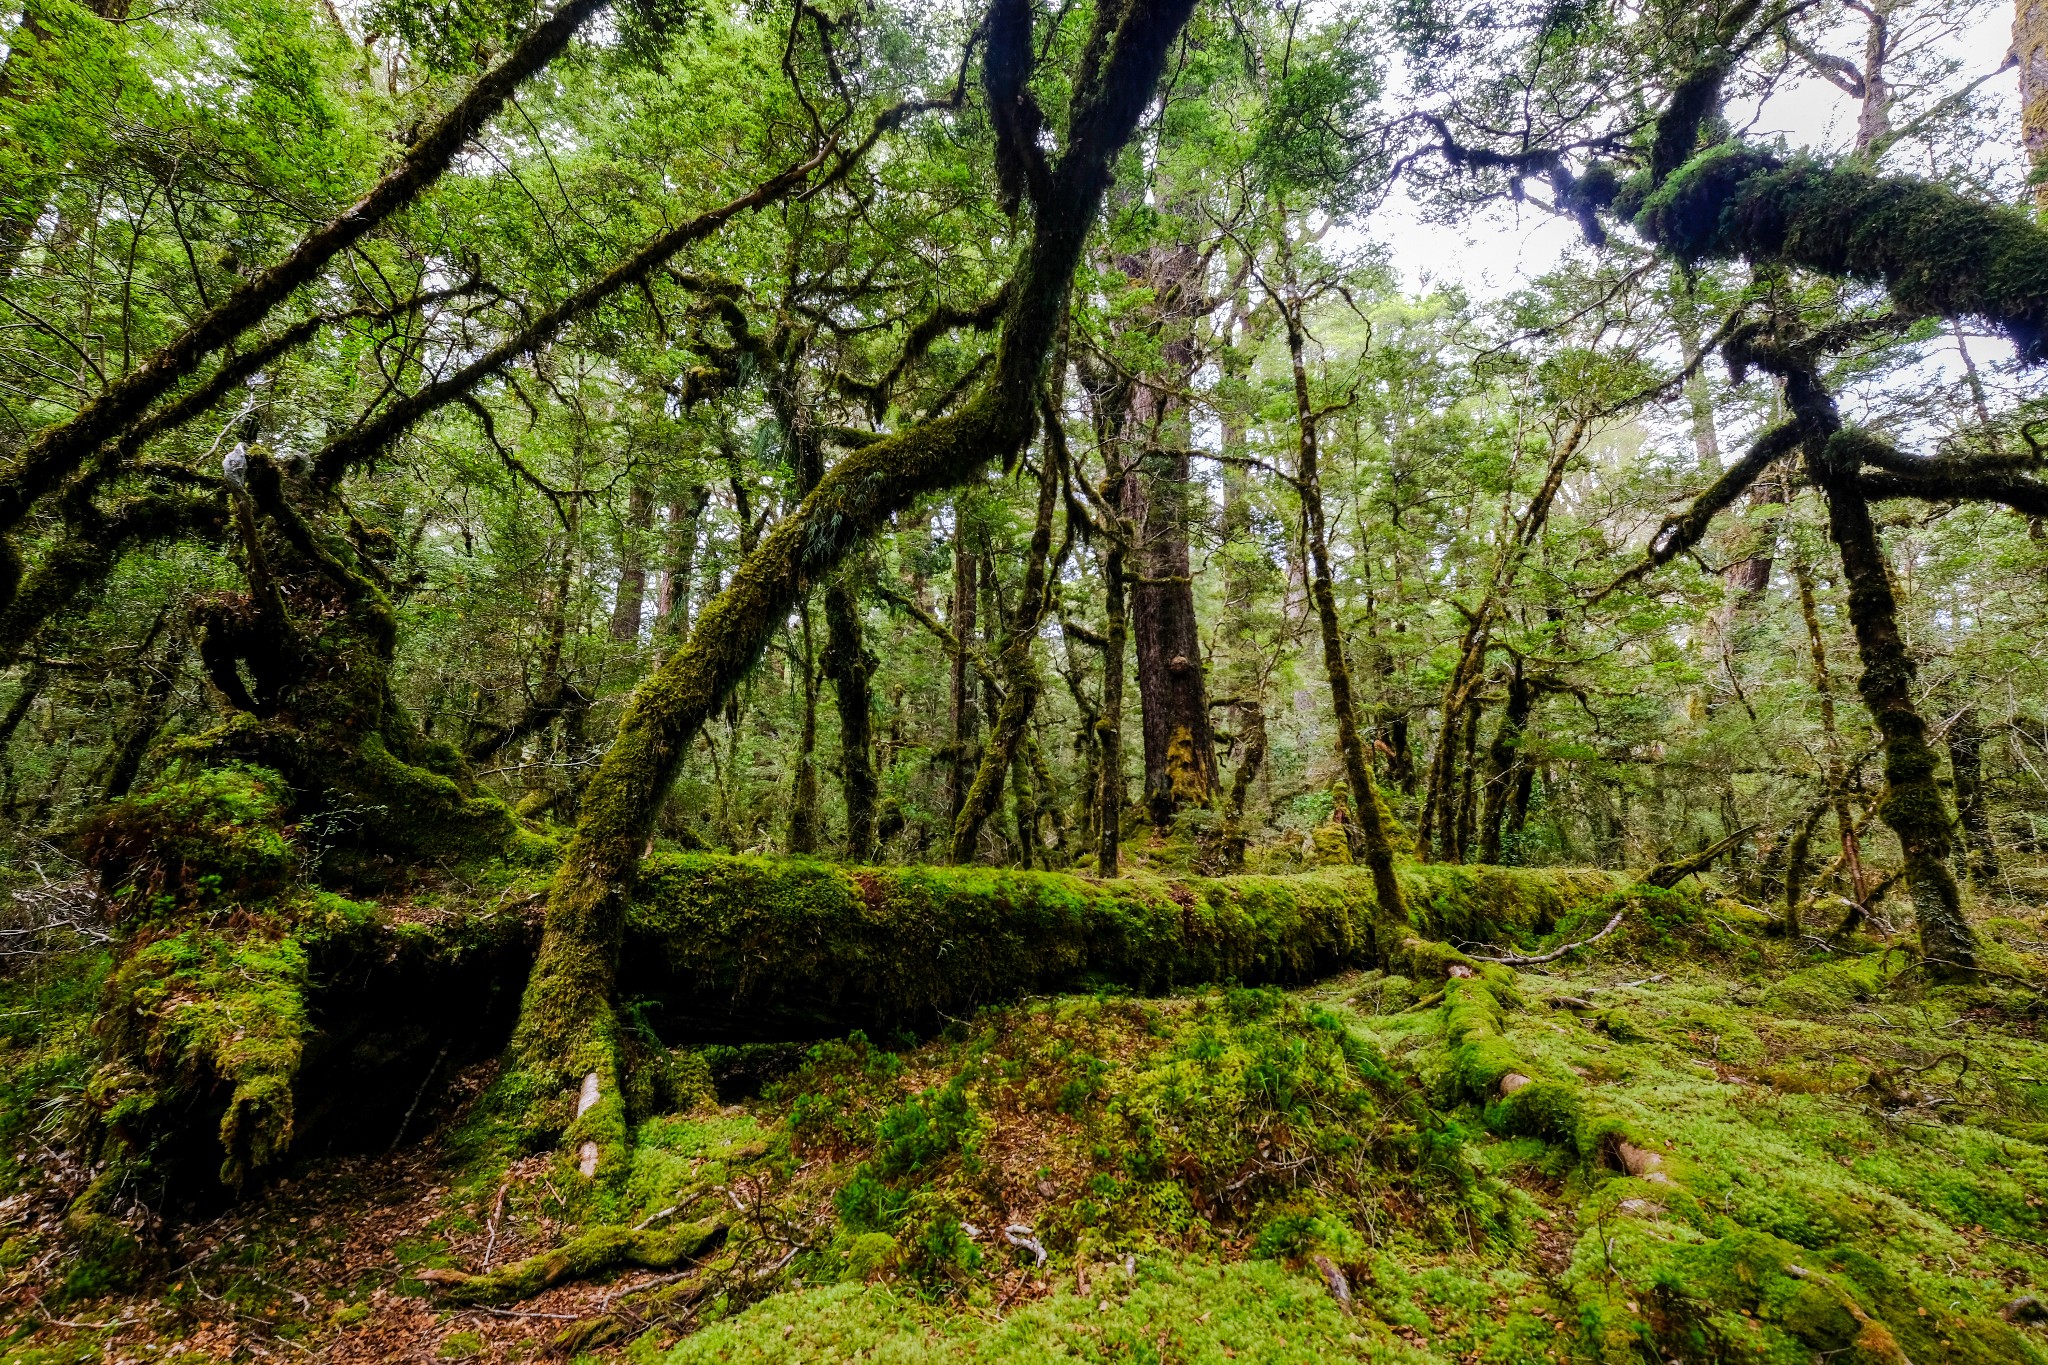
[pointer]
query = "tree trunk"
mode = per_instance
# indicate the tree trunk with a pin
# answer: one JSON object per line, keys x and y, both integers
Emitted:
{"x": 1180, "y": 751}
{"x": 1834, "y": 774}
{"x": 2030, "y": 48}
{"x": 1109, "y": 729}
{"x": 966, "y": 718}
{"x": 1505, "y": 765}
{"x": 1966, "y": 761}
{"x": 852, "y": 668}
{"x": 1371, "y": 821}
{"x": 632, "y": 595}
{"x": 803, "y": 796}
{"x": 684, "y": 520}
{"x": 1912, "y": 803}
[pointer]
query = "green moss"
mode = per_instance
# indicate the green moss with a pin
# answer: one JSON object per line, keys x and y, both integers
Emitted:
{"x": 206, "y": 1007}
{"x": 1240, "y": 1119}
{"x": 217, "y": 837}
{"x": 866, "y": 947}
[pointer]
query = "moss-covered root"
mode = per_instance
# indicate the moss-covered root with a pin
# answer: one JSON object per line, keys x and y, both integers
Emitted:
{"x": 597, "y": 1252}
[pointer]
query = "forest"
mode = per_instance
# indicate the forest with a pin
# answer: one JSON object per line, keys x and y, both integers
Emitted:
{"x": 1106, "y": 680}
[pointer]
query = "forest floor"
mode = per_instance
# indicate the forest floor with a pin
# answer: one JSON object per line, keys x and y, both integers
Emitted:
{"x": 1731, "y": 1147}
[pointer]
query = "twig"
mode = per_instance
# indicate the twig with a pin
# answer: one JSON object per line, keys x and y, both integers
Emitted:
{"x": 497, "y": 1210}
{"x": 1512, "y": 960}
{"x": 419, "y": 1095}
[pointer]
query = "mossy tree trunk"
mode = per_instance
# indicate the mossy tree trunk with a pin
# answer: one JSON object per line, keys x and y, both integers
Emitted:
{"x": 851, "y": 668}
{"x": 1912, "y": 806}
{"x": 567, "y": 1040}
{"x": 1371, "y": 823}
{"x": 966, "y": 713}
{"x": 1180, "y": 750}
{"x": 1109, "y": 728}
{"x": 2030, "y": 49}
{"x": 1504, "y": 759}
{"x": 302, "y": 662}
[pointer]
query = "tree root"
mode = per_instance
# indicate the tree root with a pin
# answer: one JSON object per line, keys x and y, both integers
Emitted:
{"x": 596, "y": 1252}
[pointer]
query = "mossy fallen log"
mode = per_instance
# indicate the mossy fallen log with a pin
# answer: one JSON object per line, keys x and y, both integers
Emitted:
{"x": 755, "y": 947}
{"x": 370, "y": 1012}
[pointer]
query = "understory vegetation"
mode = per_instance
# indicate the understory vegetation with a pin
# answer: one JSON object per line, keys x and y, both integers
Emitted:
{"x": 1136, "y": 680}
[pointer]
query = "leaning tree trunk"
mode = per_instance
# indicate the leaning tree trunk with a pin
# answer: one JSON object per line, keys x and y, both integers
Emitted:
{"x": 563, "y": 1076}
{"x": 1912, "y": 803}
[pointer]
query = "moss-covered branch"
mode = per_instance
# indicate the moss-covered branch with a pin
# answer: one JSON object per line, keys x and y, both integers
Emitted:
{"x": 1935, "y": 251}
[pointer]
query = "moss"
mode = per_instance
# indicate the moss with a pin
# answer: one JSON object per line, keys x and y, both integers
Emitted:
{"x": 1240, "y": 1118}
{"x": 789, "y": 943}
{"x": 203, "y": 1010}
{"x": 216, "y": 837}
{"x": 1934, "y": 250}
{"x": 595, "y": 1252}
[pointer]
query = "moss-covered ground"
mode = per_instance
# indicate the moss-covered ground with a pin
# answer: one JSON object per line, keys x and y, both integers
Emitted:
{"x": 1689, "y": 1142}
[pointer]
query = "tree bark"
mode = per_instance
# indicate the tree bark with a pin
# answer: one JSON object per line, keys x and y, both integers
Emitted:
{"x": 1966, "y": 762}
{"x": 2030, "y": 50}
{"x": 851, "y": 668}
{"x": 1834, "y": 775}
{"x": 1504, "y": 761}
{"x": 803, "y": 796}
{"x": 966, "y": 715}
{"x": 1109, "y": 728}
{"x": 685, "y": 519}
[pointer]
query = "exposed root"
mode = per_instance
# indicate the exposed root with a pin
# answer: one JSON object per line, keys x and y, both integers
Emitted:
{"x": 597, "y": 1252}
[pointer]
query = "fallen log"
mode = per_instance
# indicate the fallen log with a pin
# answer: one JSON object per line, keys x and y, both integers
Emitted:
{"x": 386, "y": 1008}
